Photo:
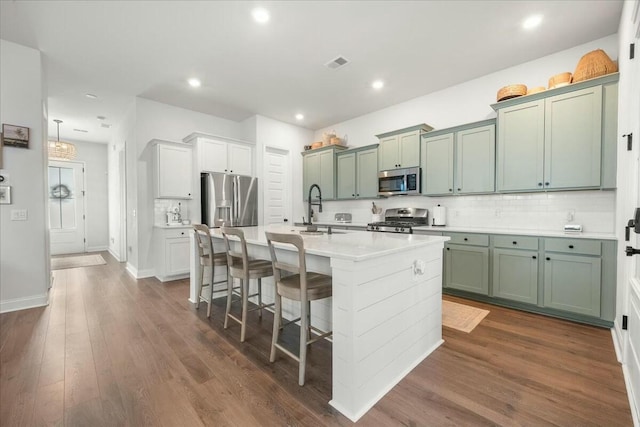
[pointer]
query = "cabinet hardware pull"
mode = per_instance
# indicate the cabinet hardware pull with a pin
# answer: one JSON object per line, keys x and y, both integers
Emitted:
{"x": 539, "y": 184}
{"x": 451, "y": 189}
{"x": 515, "y": 243}
{"x": 548, "y": 259}
{"x": 459, "y": 189}
{"x": 534, "y": 257}
{"x": 353, "y": 195}
{"x": 570, "y": 246}
{"x": 546, "y": 183}
{"x": 465, "y": 239}
{"x": 447, "y": 248}
{"x": 182, "y": 233}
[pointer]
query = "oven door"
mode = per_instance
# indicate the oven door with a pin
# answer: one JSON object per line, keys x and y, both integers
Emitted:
{"x": 399, "y": 182}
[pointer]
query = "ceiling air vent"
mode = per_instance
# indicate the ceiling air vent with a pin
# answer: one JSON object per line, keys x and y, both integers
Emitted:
{"x": 336, "y": 63}
{"x": 105, "y": 125}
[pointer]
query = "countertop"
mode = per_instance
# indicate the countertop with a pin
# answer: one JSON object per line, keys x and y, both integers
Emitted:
{"x": 172, "y": 227}
{"x": 510, "y": 231}
{"x": 344, "y": 244}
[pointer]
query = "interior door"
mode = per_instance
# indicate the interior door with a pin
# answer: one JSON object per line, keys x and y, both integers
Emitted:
{"x": 66, "y": 207}
{"x": 277, "y": 192}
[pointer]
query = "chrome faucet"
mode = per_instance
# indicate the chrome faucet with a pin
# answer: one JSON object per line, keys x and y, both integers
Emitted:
{"x": 318, "y": 203}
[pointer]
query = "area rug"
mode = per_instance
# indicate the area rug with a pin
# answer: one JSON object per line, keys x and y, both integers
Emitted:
{"x": 77, "y": 261}
{"x": 461, "y": 317}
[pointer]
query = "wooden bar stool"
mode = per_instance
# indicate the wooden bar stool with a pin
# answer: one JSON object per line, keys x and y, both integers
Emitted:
{"x": 245, "y": 269}
{"x": 208, "y": 258}
{"x": 295, "y": 283}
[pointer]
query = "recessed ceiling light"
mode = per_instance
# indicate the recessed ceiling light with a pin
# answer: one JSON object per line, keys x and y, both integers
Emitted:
{"x": 100, "y": 117}
{"x": 91, "y": 96}
{"x": 299, "y": 116}
{"x": 378, "y": 84}
{"x": 532, "y": 22}
{"x": 194, "y": 82}
{"x": 260, "y": 15}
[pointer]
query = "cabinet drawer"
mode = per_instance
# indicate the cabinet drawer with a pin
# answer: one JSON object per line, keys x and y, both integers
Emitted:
{"x": 180, "y": 232}
{"x": 515, "y": 242}
{"x": 577, "y": 246}
{"x": 468, "y": 239}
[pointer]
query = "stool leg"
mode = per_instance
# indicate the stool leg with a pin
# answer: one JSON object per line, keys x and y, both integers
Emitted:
{"x": 211, "y": 293}
{"x": 229, "y": 293}
{"x": 245, "y": 303}
{"x": 304, "y": 320}
{"x": 260, "y": 297}
{"x": 200, "y": 279}
{"x": 277, "y": 318}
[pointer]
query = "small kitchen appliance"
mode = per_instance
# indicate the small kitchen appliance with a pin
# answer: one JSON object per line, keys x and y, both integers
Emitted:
{"x": 399, "y": 182}
{"x": 400, "y": 220}
{"x": 439, "y": 216}
{"x": 174, "y": 216}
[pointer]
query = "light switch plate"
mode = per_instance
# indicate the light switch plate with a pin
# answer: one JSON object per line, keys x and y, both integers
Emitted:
{"x": 18, "y": 214}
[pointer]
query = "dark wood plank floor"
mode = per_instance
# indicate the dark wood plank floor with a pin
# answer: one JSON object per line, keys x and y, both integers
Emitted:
{"x": 110, "y": 350}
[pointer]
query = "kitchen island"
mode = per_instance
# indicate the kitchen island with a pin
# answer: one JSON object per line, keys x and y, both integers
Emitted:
{"x": 386, "y": 309}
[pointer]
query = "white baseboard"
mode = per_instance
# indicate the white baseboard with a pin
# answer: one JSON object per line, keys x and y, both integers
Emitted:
{"x": 616, "y": 340}
{"x": 114, "y": 254}
{"x": 24, "y": 303}
{"x": 635, "y": 412}
{"x": 97, "y": 248}
{"x": 139, "y": 274}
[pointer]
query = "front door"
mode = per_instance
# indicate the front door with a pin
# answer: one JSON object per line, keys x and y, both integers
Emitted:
{"x": 66, "y": 207}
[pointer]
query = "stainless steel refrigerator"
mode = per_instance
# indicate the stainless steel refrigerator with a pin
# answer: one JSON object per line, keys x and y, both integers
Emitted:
{"x": 229, "y": 200}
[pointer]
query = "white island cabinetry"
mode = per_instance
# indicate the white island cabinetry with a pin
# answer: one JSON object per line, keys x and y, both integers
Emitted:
{"x": 386, "y": 308}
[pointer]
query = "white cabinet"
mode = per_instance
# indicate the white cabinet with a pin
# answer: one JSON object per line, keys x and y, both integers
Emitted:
{"x": 172, "y": 253}
{"x": 218, "y": 155}
{"x": 173, "y": 170}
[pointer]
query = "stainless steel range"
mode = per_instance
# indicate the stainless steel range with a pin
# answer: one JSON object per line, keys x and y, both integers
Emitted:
{"x": 400, "y": 220}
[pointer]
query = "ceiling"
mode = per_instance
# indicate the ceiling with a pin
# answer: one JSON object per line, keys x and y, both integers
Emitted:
{"x": 118, "y": 50}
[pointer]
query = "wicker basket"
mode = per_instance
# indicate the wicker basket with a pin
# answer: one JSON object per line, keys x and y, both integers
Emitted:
{"x": 559, "y": 80}
{"x": 536, "y": 89}
{"x": 316, "y": 145}
{"x": 511, "y": 91}
{"x": 594, "y": 64}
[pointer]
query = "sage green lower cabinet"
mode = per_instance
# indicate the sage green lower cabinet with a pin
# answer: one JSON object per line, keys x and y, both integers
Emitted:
{"x": 572, "y": 283}
{"x": 466, "y": 258}
{"x": 515, "y": 275}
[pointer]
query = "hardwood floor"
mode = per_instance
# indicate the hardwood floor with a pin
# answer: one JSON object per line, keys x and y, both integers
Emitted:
{"x": 110, "y": 350}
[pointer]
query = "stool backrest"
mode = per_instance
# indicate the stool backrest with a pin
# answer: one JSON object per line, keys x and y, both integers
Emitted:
{"x": 205, "y": 248}
{"x": 235, "y": 258}
{"x": 278, "y": 266}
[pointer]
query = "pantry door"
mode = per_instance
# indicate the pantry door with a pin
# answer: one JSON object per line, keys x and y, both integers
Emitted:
{"x": 66, "y": 207}
{"x": 277, "y": 182}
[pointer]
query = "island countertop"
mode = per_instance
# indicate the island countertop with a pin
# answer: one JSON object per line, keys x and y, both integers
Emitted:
{"x": 343, "y": 244}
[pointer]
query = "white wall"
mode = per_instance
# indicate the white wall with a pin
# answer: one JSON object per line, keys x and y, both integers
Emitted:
{"x": 24, "y": 245}
{"x": 469, "y": 102}
{"x": 94, "y": 157}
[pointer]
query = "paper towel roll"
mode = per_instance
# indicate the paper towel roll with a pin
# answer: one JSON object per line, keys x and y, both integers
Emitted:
{"x": 439, "y": 215}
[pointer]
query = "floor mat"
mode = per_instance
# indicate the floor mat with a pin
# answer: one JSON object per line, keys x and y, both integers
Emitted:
{"x": 77, "y": 261}
{"x": 461, "y": 317}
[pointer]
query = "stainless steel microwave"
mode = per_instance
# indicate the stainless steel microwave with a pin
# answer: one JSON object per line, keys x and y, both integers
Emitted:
{"x": 399, "y": 182}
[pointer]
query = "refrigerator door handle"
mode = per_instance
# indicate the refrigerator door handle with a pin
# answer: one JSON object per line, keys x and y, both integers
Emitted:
{"x": 236, "y": 201}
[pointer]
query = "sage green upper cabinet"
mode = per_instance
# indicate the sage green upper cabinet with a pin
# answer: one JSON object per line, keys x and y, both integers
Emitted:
{"x": 459, "y": 160}
{"x": 400, "y": 148}
{"x": 319, "y": 167}
{"x": 357, "y": 173}
{"x": 573, "y": 129}
{"x": 437, "y": 172}
{"x": 560, "y": 139}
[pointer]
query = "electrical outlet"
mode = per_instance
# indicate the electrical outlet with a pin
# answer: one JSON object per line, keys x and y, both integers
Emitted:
{"x": 571, "y": 215}
{"x": 18, "y": 214}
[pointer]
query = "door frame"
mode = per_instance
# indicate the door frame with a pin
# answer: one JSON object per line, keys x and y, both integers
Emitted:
{"x": 288, "y": 188}
{"x": 84, "y": 199}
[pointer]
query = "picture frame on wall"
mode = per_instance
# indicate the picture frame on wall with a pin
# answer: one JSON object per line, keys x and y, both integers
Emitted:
{"x": 15, "y": 136}
{"x": 5, "y": 195}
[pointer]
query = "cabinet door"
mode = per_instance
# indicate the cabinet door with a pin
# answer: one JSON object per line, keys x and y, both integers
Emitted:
{"x": 409, "y": 146}
{"x": 367, "y": 173}
{"x": 213, "y": 156}
{"x": 176, "y": 256}
{"x": 327, "y": 174}
{"x": 388, "y": 153}
{"x": 239, "y": 159}
{"x": 520, "y": 147}
{"x": 173, "y": 172}
{"x": 467, "y": 268}
{"x": 437, "y": 175}
{"x": 311, "y": 173}
{"x": 346, "y": 176}
{"x": 515, "y": 275}
{"x": 475, "y": 160}
{"x": 573, "y": 139}
{"x": 572, "y": 283}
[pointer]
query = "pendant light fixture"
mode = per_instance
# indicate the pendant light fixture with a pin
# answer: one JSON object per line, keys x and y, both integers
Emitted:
{"x": 60, "y": 149}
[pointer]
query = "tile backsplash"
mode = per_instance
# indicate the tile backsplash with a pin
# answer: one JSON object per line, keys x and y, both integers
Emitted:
{"x": 594, "y": 210}
{"x": 160, "y": 207}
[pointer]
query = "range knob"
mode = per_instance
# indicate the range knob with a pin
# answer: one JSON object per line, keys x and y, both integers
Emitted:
{"x": 397, "y": 229}
{"x": 377, "y": 228}
{"x": 402, "y": 229}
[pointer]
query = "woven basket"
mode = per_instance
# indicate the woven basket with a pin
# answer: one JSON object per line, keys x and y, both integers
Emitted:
{"x": 559, "y": 80}
{"x": 594, "y": 64}
{"x": 316, "y": 145}
{"x": 511, "y": 91}
{"x": 536, "y": 89}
